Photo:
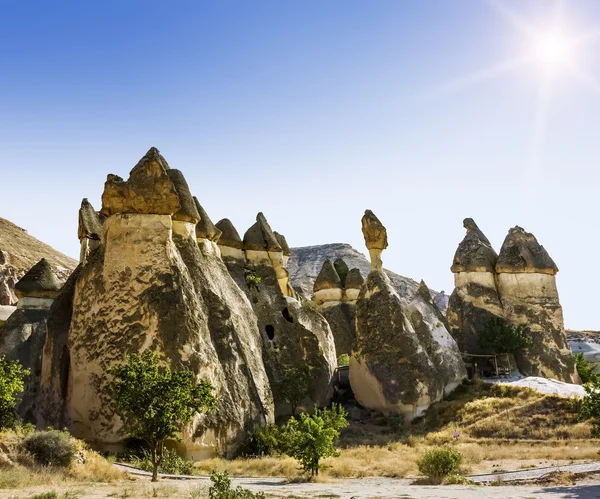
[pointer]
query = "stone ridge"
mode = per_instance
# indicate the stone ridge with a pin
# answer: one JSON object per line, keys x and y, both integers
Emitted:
{"x": 187, "y": 207}
{"x": 283, "y": 243}
{"x": 328, "y": 278}
{"x": 260, "y": 236}
{"x": 474, "y": 253}
{"x": 229, "y": 235}
{"x": 205, "y": 228}
{"x": 521, "y": 252}
{"x": 90, "y": 223}
{"x": 38, "y": 281}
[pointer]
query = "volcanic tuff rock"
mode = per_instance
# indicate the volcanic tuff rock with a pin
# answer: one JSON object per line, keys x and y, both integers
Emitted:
{"x": 205, "y": 228}
{"x": 150, "y": 285}
{"x": 375, "y": 238}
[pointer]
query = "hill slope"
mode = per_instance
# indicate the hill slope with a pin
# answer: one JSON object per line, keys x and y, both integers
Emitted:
{"x": 19, "y": 252}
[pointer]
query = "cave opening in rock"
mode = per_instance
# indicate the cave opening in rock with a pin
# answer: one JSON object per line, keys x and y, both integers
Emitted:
{"x": 270, "y": 330}
{"x": 287, "y": 315}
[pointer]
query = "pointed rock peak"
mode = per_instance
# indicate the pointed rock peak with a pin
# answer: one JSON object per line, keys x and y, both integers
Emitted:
{"x": 187, "y": 207}
{"x": 423, "y": 292}
{"x": 39, "y": 281}
{"x": 373, "y": 231}
{"x": 90, "y": 222}
{"x": 354, "y": 279}
{"x": 229, "y": 235}
{"x": 283, "y": 243}
{"x": 149, "y": 190}
{"x": 260, "y": 236}
{"x": 521, "y": 252}
{"x": 474, "y": 253}
{"x": 342, "y": 270}
{"x": 328, "y": 278}
{"x": 205, "y": 229}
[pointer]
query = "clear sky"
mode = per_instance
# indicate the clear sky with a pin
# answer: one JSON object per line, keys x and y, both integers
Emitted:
{"x": 423, "y": 111}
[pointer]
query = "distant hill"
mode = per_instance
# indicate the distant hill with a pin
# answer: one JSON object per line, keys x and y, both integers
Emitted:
{"x": 19, "y": 252}
{"x": 306, "y": 262}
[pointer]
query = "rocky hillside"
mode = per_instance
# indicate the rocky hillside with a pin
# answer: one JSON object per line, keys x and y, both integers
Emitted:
{"x": 306, "y": 262}
{"x": 19, "y": 252}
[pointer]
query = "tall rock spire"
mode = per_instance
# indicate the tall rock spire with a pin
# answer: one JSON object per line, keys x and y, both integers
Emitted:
{"x": 375, "y": 236}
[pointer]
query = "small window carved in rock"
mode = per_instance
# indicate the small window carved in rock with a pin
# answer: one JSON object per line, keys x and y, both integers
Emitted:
{"x": 270, "y": 330}
{"x": 287, "y": 315}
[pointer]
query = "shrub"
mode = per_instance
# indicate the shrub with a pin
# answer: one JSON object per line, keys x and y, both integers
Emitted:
{"x": 586, "y": 373}
{"x": 265, "y": 441}
{"x": 293, "y": 387}
{"x": 590, "y": 408}
{"x": 46, "y": 495}
{"x": 171, "y": 463}
{"x": 440, "y": 462}
{"x": 313, "y": 437}
{"x": 12, "y": 374}
{"x": 343, "y": 360}
{"x": 499, "y": 336}
{"x": 51, "y": 448}
{"x": 221, "y": 489}
{"x": 253, "y": 281}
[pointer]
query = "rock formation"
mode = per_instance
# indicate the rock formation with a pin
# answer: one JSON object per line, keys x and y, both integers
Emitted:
{"x": 230, "y": 243}
{"x": 23, "y": 334}
{"x": 90, "y": 229}
{"x": 148, "y": 284}
{"x": 475, "y": 300}
{"x": 328, "y": 288}
{"x": 527, "y": 288}
{"x": 207, "y": 234}
{"x": 397, "y": 365}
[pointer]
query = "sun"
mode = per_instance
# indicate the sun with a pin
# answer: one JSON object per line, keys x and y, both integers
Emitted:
{"x": 552, "y": 49}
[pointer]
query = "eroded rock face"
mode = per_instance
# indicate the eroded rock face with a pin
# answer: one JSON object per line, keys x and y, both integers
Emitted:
{"x": 328, "y": 285}
{"x": 150, "y": 285}
{"x": 90, "y": 229}
{"x": 230, "y": 243}
{"x": 375, "y": 238}
{"x": 527, "y": 287}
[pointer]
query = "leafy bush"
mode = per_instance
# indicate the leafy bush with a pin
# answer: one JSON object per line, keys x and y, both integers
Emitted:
{"x": 440, "y": 462}
{"x": 51, "y": 448}
{"x": 171, "y": 463}
{"x": 343, "y": 360}
{"x": 265, "y": 441}
{"x": 499, "y": 336}
{"x": 590, "y": 408}
{"x": 312, "y": 437}
{"x": 221, "y": 489}
{"x": 253, "y": 281}
{"x": 12, "y": 374}
{"x": 294, "y": 386}
{"x": 586, "y": 373}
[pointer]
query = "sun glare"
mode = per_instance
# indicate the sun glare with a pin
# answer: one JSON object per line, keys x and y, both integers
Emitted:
{"x": 552, "y": 49}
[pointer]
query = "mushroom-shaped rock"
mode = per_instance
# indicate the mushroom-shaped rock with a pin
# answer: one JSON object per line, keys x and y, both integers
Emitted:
{"x": 341, "y": 269}
{"x": 354, "y": 281}
{"x": 230, "y": 242}
{"x": 375, "y": 236}
{"x": 187, "y": 207}
{"x": 474, "y": 253}
{"x": 328, "y": 285}
{"x": 260, "y": 237}
{"x": 149, "y": 189}
{"x": 205, "y": 229}
{"x": 521, "y": 253}
{"x": 38, "y": 282}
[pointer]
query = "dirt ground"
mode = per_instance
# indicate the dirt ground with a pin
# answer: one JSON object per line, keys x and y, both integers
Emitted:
{"x": 587, "y": 488}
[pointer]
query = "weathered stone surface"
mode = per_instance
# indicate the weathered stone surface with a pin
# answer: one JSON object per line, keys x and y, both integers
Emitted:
{"x": 283, "y": 243}
{"x": 5, "y": 312}
{"x": 90, "y": 222}
{"x": 341, "y": 318}
{"x": 187, "y": 206}
{"x": 474, "y": 253}
{"x": 229, "y": 235}
{"x": 328, "y": 278}
{"x": 149, "y": 189}
{"x": 342, "y": 270}
{"x": 441, "y": 301}
{"x": 354, "y": 280}
{"x": 39, "y": 282}
{"x": 205, "y": 229}
{"x": 390, "y": 371}
{"x": 260, "y": 237}
{"x": 521, "y": 253}
{"x": 375, "y": 239}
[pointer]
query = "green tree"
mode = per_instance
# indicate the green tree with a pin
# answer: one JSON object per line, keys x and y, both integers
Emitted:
{"x": 312, "y": 437}
{"x": 499, "y": 336}
{"x": 12, "y": 375}
{"x": 294, "y": 386}
{"x": 586, "y": 373}
{"x": 154, "y": 402}
{"x": 590, "y": 407}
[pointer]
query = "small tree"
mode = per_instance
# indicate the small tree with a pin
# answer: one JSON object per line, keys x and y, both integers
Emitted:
{"x": 499, "y": 336}
{"x": 12, "y": 375}
{"x": 154, "y": 402}
{"x": 586, "y": 373}
{"x": 313, "y": 437}
{"x": 293, "y": 387}
{"x": 440, "y": 462}
{"x": 590, "y": 408}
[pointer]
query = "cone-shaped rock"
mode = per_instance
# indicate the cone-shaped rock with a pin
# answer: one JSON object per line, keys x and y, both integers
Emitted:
{"x": 354, "y": 280}
{"x": 474, "y": 253}
{"x": 342, "y": 270}
{"x": 328, "y": 278}
{"x": 90, "y": 222}
{"x": 38, "y": 282}
{"x": 205, "y": 229}
{"x": 521, "y": 253}
{"x": 229, "y": 235}
{"x": 187, "y": 207}
{"x": 260, "y": 236}
{"x": 148, "y": 190}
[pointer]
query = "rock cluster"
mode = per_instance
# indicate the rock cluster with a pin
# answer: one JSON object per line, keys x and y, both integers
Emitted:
{"x": 403, "y": 357}
{"x": 518, "y": 285}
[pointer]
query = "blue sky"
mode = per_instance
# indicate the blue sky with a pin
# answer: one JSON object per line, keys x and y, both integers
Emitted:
{"x": 312, "y": 111}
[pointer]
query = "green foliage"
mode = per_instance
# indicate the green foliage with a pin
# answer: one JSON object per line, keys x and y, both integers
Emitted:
{"x": 586, "y": 373}
{"x": 294, "y": 386}
{"x": 171, "y": 463}
{"x": 46, "y": 495}
{"x": 499, "y": 336}
{"x": 12, "y": 374}
{"x": 265, "y": 441}
{"x": 51, "y": 448}
{"x": 154, "y": 402}
{"x": 221, "y": 489}
{"x": 590, "y": 408}
{"x": 312, "y": 437}
{"x": 440, "y": 462}
{"x": 253, "y": 281}
{"x": 343, "y": 360}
